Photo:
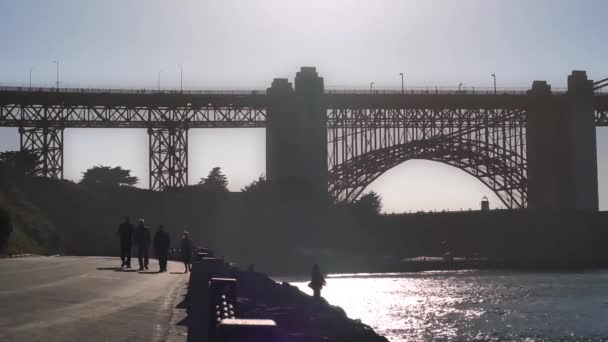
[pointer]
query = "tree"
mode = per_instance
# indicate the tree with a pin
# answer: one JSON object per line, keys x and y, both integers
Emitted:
{"x": 109, "y": 176}
{"x": 22, "y": 163}
{"x": 259, "y": 185}
{"x": 371, "y": 202}
{"x": 216, "y": 181}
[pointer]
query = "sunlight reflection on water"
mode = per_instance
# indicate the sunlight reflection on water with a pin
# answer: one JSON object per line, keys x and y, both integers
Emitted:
{"x": 475, "y": 305}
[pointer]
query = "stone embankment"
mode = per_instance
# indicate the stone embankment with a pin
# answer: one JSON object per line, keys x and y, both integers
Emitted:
{"x": 260, "y": 309}
{"x": 300, "y": 316}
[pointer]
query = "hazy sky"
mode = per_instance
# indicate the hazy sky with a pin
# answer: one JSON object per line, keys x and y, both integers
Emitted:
{"x": 245, "y": 44}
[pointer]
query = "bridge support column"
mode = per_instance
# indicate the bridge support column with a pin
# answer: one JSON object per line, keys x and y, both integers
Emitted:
{"x": 46, "y": 143}
{"x": 543, "y": 145}
{"x": 582, "y": 146}
{"x": 168, "y": 158}
{"x": 561, "y": 147}
{"x": 296, "y": 153}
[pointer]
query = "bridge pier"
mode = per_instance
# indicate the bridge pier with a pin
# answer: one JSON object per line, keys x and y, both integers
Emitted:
{"x": 582, "y": 141}
{"x": 561, "y": 147}
{"x": 168, "y": 158}
{"x": 296, "y": 153}
{"x": 46, "y": 143}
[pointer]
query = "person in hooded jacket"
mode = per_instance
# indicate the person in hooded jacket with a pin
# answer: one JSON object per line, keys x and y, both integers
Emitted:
{"x": 187, "y": 249}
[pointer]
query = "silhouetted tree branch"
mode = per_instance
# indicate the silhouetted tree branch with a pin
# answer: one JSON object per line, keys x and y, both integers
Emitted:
{"x": 216, "y": 181}
{"x": 258, "y": 185}
{"x": 370, "y": 202}
{"x": 18, "y": 163}
{"x": 107, "y": 175}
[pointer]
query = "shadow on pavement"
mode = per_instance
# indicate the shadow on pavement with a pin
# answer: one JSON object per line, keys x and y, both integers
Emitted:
{"x": 184, "y": 304}
{"x": 183, "y": 322}
{"x": 116, "y": 269}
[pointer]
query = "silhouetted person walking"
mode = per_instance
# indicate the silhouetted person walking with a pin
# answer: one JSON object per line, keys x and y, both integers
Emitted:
{"x": 186, "y": 247}
{"x": 317, "y": 281}
{"x": 162, "y": 241}
{"x": 142, "y": 240}
{"x": 6, "y": 228}
{"x": 125, "y": 231}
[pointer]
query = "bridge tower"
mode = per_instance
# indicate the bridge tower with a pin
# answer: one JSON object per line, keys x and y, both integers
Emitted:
{"x": 561, "y": 147}
{"x": 46, "y": 143}
{"x": 168, "y": 158}
{"x": 296, "y": 150}
{"x": 582, "y": 149}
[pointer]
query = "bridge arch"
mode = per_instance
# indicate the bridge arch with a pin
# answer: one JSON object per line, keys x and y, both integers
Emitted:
{"x": 501, "y": 170}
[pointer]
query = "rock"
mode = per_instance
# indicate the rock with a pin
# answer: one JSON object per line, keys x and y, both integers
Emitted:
{"x": 299, "y": 316}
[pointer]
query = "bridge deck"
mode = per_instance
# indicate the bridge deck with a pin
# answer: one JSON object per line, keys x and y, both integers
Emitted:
{"x": 201, "y": 109}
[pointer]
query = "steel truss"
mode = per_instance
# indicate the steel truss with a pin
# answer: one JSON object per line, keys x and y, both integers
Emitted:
{"x": 487, "y": 143}
{"x": 119, "y": 116}
{"x": 483, "y": 135}
{"x": 600, "y": 104}
{"x": 46, "y": 143}
{"x": 168, "y": 158}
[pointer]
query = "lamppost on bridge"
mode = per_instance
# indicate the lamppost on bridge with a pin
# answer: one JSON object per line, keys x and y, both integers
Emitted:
{"x": 371, "y": 87}
{"x": 181, "y": 78}
{"x": 402, "y": 90}
{"x": 57, "y": 63}
{"x": 494, "y": 76}
{"x": 158, "y": 80}
{"x": 31, "y": 77}
{"x": 460, "y": 86}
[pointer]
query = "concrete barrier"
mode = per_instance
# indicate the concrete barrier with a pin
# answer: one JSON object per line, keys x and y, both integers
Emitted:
{"x": 222, "y": 300}
{"x": 213, "y": 308}
{"x": 214, "y": 267}
{"x": 250, "y": 330}
{"x": 198, "y": 316}
{"x": 200, "y": 255}
{"x": 203, "y": 270}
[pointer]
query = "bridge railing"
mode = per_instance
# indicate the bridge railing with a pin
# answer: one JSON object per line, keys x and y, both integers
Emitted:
{"x": 132, "y": 91}
{"x": 262, "y": 92}
{"x": 429, "y": 90}
{"x": 445, "y": 91}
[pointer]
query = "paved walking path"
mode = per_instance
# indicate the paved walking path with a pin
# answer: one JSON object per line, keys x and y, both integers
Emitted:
{"x": 87, "y": 299}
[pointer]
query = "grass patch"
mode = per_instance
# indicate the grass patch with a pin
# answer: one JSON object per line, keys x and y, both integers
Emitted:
{"x": 20, "y": 243}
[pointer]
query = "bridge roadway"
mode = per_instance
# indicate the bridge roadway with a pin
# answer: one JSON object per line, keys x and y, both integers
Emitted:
{"x": 110, "y": 108}
{"x": 86, "y": 299}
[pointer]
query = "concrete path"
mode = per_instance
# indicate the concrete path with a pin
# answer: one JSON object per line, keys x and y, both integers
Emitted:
{"x": 86, "y": 299}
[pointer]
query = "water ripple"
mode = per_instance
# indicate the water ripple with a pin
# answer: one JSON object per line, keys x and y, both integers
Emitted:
{"x": 476, "y": 305}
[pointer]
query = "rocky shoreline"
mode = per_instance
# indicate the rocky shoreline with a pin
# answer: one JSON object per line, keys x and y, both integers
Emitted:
{"x": 299, "y": 317}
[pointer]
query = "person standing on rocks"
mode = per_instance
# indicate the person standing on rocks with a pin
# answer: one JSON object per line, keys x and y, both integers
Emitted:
{"x": 317, "y": 281}
{"x": 125, "y": 231}
{"x": 186, "y": 249}
{"x": 162, "y": 241}
{"x": 142, "y": 240}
